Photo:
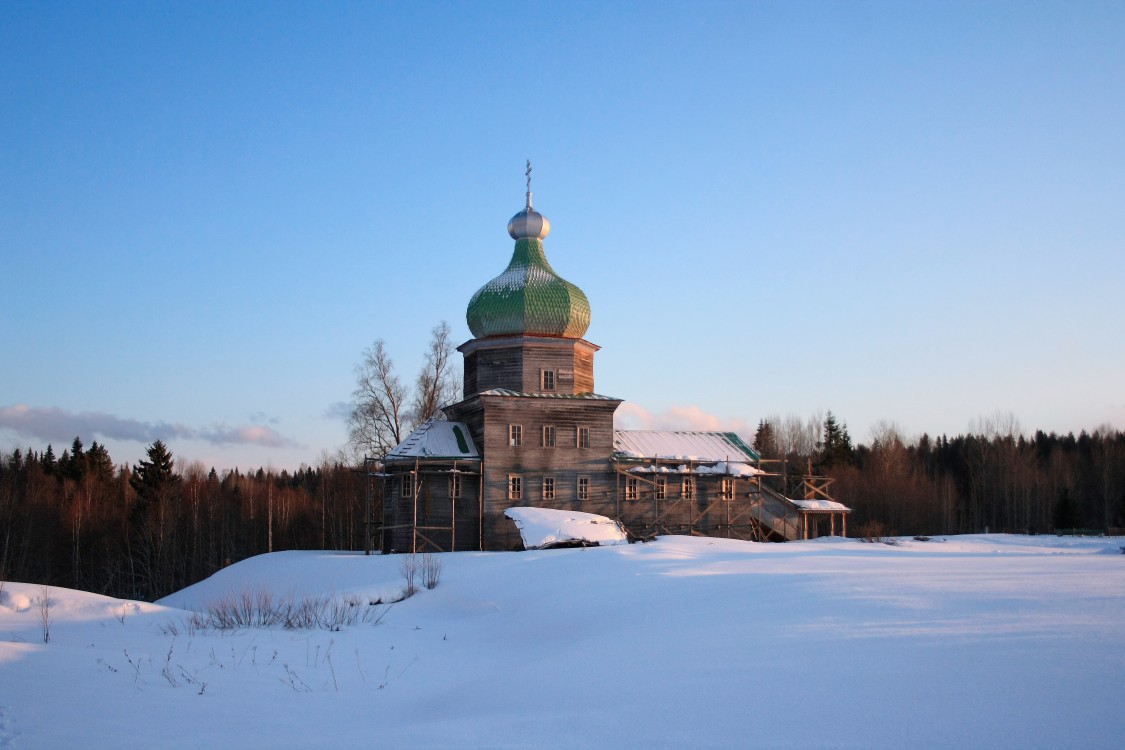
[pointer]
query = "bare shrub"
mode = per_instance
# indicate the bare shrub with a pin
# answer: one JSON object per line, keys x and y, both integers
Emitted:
{"x": 874, "y": 531}
{"x": 410, "y": 573}
{"x": 45, "y": 613}
{"x": 431, "y": 570}
{"x": 259, "y": 609}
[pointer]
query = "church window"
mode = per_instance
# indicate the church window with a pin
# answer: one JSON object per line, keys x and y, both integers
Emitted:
{"x": 583, "y": 488}
{"x": 548, "y": 436}
{"x": 515, "y": 435}
{"x": 726, "y": 489}
{"x": 455, "y": 485}
{"x": 632, "y": 487}
{"x": 406, "y": 485}
{"x": 547, "y": 380}
{"x": 515, "y": 487}
{"x": 688, "y": 488}
{"x": 583, "y": 437}
{"x": 661, "y": 488}
{"x": 548, "y": 488}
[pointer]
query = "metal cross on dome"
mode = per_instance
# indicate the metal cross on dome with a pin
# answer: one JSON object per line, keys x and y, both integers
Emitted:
{"x": 528, "y": 174}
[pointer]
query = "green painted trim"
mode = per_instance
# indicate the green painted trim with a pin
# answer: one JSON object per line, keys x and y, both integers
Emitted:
{"x": 734, "y": 438}
{"x": 461, "y": 444}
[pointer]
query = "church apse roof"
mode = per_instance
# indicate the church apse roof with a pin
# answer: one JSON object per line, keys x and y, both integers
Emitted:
{"x": 437, "y": 438}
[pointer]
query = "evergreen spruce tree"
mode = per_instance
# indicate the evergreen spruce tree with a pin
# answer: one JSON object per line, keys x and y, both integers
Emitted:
{"x": 98, "y": 462}
{"x": 72, "y": 465}
{"x": 50, "y": 465}
{"x": 765, "y": 440}
{"x": 836, "y": 447}
{"x": 153, "y": 479}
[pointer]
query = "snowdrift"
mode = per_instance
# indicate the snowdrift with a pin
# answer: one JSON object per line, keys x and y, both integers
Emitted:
{"x": 543, "y": 528}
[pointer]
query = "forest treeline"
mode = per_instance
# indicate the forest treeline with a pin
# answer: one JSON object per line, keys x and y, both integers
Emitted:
{"x": 990, "y": 479}
{"x": 143, "y": 531}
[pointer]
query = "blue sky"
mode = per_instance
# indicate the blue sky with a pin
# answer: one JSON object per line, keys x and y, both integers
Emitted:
{"x": 909, "y": 212}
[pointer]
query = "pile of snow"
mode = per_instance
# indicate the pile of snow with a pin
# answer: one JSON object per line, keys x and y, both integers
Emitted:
{"x": 819, "y": 504}
{"x": 542, "y": 528}
{"x": 972, "y": 641}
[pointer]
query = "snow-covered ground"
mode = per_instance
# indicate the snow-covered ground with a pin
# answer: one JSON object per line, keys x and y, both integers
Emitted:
{"x": 979, "y": 641}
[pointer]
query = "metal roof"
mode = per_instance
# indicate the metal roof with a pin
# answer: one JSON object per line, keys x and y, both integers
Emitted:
{"x": 437, "y": 438}
{"x": 705, "y": 447}
{"x": 579, "y": 396}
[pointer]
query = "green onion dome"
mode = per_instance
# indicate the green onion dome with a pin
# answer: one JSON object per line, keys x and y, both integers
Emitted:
{"x": 529, "y": 298}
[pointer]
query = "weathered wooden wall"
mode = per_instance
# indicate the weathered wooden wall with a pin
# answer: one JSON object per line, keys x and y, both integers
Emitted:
{"x": 515, "y": 363}
{"x": 489, "y": 419}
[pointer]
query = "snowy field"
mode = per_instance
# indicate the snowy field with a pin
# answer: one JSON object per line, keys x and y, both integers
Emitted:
{"x": 980, "y": 641}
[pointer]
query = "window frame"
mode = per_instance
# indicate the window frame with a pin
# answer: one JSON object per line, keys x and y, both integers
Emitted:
{"x": 687, "y": 488}
{"x": 548, "y": 381}
{"x": 548, "y": 488}
{"x": 455, "y": 485}
{"x": 515, "y": 487}
{"x": 583, "y": 488}
{"x": 406, "y": 485}
{"x": 726, "y": 488}
{"x": 660, "y": 488}
{"x": 515, "y": 435}
{"x": 549, "y": 436}
{"x": 580, "y": 433}
{"x": 632, "y": 488}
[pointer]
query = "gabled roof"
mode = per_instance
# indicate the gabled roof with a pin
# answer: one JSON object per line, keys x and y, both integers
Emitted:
{"x": 437, "y": 438}
{"x": 676, "y": 445}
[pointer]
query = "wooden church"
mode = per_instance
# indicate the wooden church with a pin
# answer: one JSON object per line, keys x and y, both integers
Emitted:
{"x": 531, "y": 430}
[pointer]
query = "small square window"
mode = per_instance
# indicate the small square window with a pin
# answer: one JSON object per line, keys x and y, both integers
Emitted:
{"x": 661, "y": 488}
{"x": 515, "y": 435}
{"x": 547, "y": 380}
{"x": 632, "y": 488}
{"x": 583, "y": 488}
{"x": 548, "y": 488}
{"x": 455, "y": 485}
{"x": 549, "y": 436}
{"x": 515, "y": 487}
{"x": 583, "y": 437}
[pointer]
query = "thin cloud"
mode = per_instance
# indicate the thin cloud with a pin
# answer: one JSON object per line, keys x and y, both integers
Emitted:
{"x": 247, "y": 435}
{"x": 58, "y": 425}
{"x": 340, "y": 410}
{"x": 634, "y": 416}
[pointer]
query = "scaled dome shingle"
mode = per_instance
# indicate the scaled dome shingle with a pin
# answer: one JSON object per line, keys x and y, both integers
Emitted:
{"x": 528, "y": 298}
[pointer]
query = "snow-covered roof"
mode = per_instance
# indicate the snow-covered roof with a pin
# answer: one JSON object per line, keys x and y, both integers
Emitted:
{"x": 437, "y": 438}
{"x": 546, "y": 527}
{"x": 725, "y": 468}
{"x": 830, "y": 505}
{"x": 677, "y": 445}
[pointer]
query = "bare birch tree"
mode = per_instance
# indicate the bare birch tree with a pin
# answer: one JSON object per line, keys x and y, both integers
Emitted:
{"x": 383, "y": 409}
{"x": 437, "y": 385}
{"x": 378, "y": 419}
